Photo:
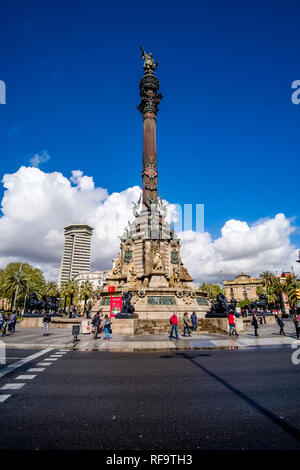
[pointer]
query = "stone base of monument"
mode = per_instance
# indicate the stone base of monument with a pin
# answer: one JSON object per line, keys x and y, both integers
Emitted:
{"x": 56, "y": 322}
{"x": 124, "y": 326}
{"x": 154, "y": 306}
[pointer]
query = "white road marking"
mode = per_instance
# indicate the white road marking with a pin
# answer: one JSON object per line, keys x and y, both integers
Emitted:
{"x": 44, "y": 364}
{"x": 3, "y": 398}
{"x": 64, "y": 350}
{"x": 36, "y": 369}
{"x": 25, "y": 377}
{"x": 21, "y": 363}
{"x": 56, "y": 355}
{"x": 12, "y": 386}
{"x": 52, "y": 358}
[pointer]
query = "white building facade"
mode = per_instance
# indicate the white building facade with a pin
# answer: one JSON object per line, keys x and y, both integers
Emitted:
{"x": 76, "y": 256}
{"x": 96, "y": 278}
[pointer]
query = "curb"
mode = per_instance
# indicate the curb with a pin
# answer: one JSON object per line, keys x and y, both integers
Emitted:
{"x": 118, "y": 348}
{"x": 38, "y": 346}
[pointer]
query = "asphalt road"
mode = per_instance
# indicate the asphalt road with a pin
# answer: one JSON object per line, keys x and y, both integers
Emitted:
{"x": 155, "y": 401}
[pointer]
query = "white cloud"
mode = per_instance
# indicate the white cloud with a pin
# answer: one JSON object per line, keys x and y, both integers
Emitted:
{"x": 241, "y": 248}
{"x": 37, "y": 205}
{"x": 37, "y": 159}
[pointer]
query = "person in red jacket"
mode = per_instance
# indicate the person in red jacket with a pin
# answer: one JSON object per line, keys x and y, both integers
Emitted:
{"x": 232, "y": 323}
{"x": 174, "y": 323}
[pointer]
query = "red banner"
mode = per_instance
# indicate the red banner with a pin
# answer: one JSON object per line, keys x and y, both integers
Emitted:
{"x": 115, "y": 305}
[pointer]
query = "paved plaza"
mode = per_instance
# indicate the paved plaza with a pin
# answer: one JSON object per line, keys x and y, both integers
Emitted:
{"x": 31, "y": 338}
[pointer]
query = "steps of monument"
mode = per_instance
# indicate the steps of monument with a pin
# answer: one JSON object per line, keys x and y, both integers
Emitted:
{"x": 156, "y": 327}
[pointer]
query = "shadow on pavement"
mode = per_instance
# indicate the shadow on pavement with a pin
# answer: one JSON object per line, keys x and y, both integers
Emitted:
{"x": 267, "y": 413}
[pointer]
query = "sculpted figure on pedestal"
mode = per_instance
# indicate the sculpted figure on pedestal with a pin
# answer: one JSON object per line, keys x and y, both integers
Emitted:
{"x": 157, "y": 262}
{"x": 117, "y": 268}
{"x": 174, "y": 280}
{"x": 184, "y": 274}
{"x": 131, "y": 274}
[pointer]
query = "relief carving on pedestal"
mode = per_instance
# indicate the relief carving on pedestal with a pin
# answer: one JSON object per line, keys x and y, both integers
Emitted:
{"x": 187, "y": 299}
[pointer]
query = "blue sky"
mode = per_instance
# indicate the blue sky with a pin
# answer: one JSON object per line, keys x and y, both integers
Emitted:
{"x": 228, "y": 133}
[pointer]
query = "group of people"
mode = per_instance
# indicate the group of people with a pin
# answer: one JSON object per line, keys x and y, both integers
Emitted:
{"x": 99, "y": 322}
{"x": 280, "y": 322}
{"x": 8, "y": 323}
{"x": 189, "y": 324}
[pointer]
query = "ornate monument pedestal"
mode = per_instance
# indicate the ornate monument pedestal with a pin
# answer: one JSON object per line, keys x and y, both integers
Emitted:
{"x": 149, "y": 265}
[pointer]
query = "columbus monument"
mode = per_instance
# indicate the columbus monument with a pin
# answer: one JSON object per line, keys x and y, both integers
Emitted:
{"x": 149, "y": 269}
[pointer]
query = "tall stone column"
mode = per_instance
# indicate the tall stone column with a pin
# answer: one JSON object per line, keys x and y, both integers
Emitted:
{"x": 149, "y": 86}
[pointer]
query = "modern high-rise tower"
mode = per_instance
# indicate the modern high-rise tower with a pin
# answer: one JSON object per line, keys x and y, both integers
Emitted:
{"x": 77, "y": 252}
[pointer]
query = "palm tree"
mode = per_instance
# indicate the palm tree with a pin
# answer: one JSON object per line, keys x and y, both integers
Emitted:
{"x": 272, "y": 288}
{"x": 269, "y": 279}
{"x": 69, "y": 289}
{"x": 64, "y": 292}
{"x": 86, "y": 290}
{"x": 290, "y": 289}
{"x": 51, "y": 289}
{"x": 12, "y": 282}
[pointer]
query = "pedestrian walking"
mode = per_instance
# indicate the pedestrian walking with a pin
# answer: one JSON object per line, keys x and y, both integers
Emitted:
{"x": 9, "y": 324}
{"x": 107, "y": 327}
{"x": 194, "y": 321}
{"x": 296, "y": 320}
{"x": 13, "y": 321}
{"x": 1, "y": 321}
{"x": 88, "y": 311}
{"x": 264, "y": 317}
{"x": 232, "y": 323}
{"x": 255, "y": 324}
{"x": 174, "y": 324}
{"x": 96, "y": 324}
{"x": 4, "y": 324}
{"x": 186, "y": 323}
{"x": 281, "y": 325}
{"x": 46, "y": 321}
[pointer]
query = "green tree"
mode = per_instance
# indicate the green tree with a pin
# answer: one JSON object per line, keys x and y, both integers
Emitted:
{"x": 64, "y": 292}
{"x": 19, "y": 280}
{"x": 272, "y": 288}
{"x": 290, "y": 289}
{"x": 86, "y": 291}
{"x": 212, "y": 290}
{"x": 69, "y": 290}
{"x": 269, "y": 279}
{"x": 51, "y": 289}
